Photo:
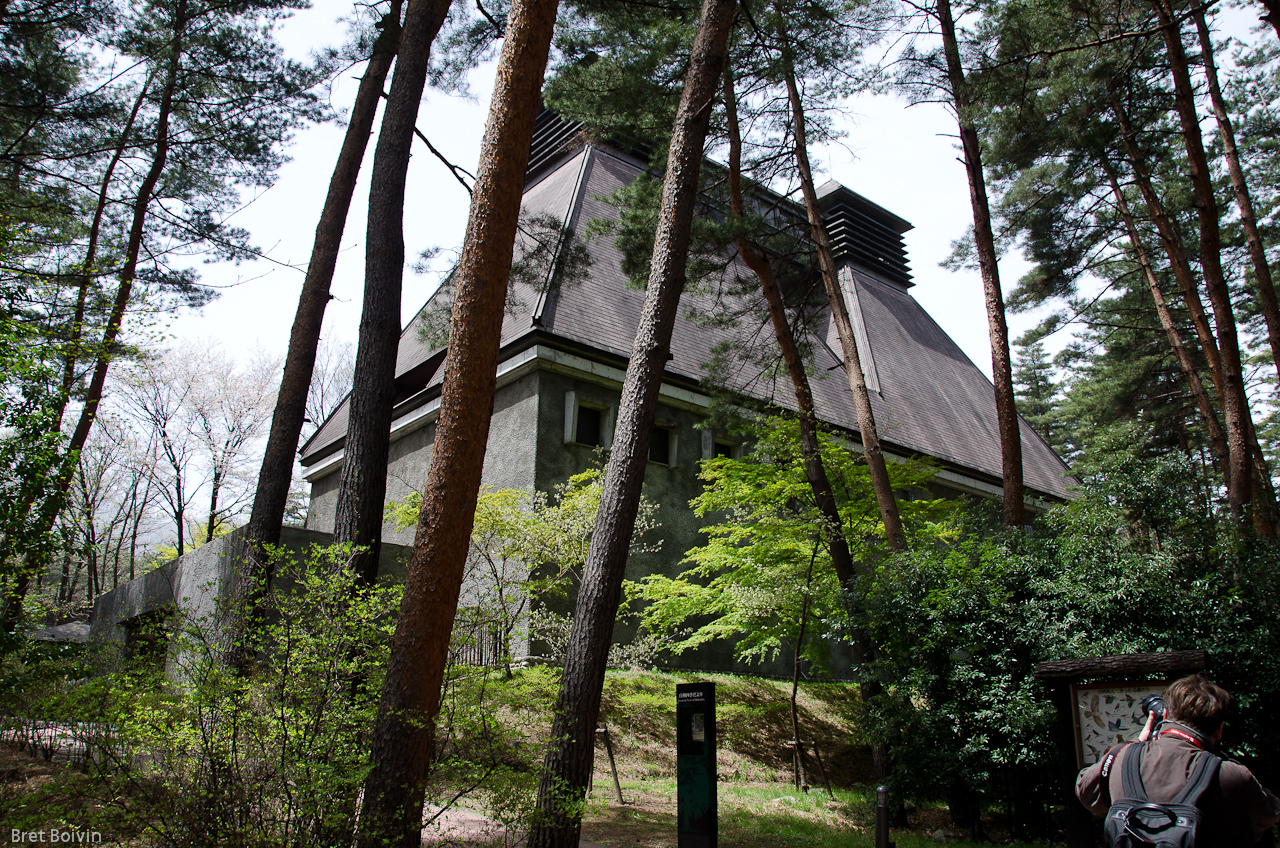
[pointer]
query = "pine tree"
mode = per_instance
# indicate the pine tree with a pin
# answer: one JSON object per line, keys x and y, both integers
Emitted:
{"x": 1075, "y": 133}
{"x": 276, "y": 474}
{"x": 391, "y": 809}
{"x": 963, "y": 102}
{"x": 567, "y": 768}
{"x": 363, "y": 484}
{"x": 213, "y": 100}
{"x": 1038, "y": 394}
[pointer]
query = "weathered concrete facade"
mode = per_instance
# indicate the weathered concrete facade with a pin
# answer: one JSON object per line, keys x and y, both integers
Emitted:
{"x": 506, "y": 465}
{"x": 533, "y": 445}
{"x": 193, "y": 586}
{"x": 566, "y": 342}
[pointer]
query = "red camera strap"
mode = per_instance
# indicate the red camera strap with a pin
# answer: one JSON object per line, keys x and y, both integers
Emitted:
{"x": 1173, "y": 731}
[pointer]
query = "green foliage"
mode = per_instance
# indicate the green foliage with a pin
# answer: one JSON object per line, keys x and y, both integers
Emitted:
{"x": 186, "y": 752}
{"x": 30, "y": 449}
{"x": 1121, "y": 371}
{"x": 277, "y": 757}
{"x": 622, "y": 69}
{"x": 528, "y": 549}
{"x": 28, "y": 443}
{"x": 199, "y": 755}
{"x": 1069, "y": 123}
{"x": 1038, "y": 394}
{"x": 1133, "y": 565}
{"x": 635, "y": 228}
{"x": 95, "y": 97}
{"x": 749, "y": 580}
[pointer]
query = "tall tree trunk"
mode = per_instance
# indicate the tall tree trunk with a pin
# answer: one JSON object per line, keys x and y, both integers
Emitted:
{"x": 64, "y": 585}
{"x": 91, "y": 255}
{"x": 402, "y": 737}
{"x": 92, "y": 584}
{"x": 1272, "y": 16}
{"x": 806, "y": 414}
{"x": 75, "y": 580}
{"x": 893, "y": 533}
{"x": 1014, "y": 512}
{"x": 215, "y": 486}
{"x": 124, "y": 524}
{"x": 179, "y": 497}
{"x": 1248, "y": 219}
{"x": 1171, "y": 238}
{"x": 272, "y": 492}
{"x": 1235, "y": 402}
{"x": 798, "y": 750}
{"x": 1217, "y": 438}
{"x": 364, "y": 468}
{"x": 135, "y": 532}
{"x": 807, "y": 417}
{"x": 55, "y": 499}
{"x": 568, "y": 763}
{"x": 1265, "y": 505}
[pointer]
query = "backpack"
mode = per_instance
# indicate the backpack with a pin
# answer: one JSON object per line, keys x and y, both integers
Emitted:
{"x": 1135, "y": 822}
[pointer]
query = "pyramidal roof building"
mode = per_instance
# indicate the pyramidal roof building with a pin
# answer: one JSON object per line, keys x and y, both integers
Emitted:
{"x": 565, "y": 349}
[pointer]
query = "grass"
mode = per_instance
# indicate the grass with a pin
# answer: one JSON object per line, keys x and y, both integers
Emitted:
{"x": 751, "y": 816}
{"x": 759, "y": 806}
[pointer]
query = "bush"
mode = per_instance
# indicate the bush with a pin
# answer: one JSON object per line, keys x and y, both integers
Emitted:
{"x": 1137, "y": 563}
{"x": 190, "y": 753}
{"x": 272, "y": 758}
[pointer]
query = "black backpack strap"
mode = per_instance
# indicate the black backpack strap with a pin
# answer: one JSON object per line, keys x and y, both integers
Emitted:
{"x": 1203, "y": 773}
{"x": 1109, "y": 760}
{"x": 1131, "y": 775}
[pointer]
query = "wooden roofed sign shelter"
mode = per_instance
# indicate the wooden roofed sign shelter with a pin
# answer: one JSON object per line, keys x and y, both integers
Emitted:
{"x": 1099, "y": 703}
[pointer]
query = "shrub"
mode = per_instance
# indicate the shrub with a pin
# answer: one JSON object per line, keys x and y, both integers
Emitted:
{"x": 1137, "y": 563}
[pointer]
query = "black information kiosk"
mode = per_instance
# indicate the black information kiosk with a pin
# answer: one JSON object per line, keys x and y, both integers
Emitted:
{"x": 696, "y": 764}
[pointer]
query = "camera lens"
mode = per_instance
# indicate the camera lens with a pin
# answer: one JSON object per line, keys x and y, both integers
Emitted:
{"x": 1154, "y": 704}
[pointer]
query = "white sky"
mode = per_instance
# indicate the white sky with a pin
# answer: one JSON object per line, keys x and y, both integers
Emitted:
{"x": 904, "y": 158}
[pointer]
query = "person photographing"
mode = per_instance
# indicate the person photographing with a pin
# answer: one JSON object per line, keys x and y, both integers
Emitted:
{"x": 1187, "y": 787}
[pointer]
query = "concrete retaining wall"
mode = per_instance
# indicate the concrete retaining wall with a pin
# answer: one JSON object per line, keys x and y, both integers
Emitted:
{"x": 194, "y": 583}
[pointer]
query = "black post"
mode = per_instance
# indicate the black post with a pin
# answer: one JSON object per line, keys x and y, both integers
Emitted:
{"x": 608, "y": 747}
{"x": 882, "y": 818}
{"x": 696, "y": 765}
{"x": 822, "y": 769}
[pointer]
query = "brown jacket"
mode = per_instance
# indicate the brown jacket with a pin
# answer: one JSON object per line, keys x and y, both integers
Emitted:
{"x": 1237, "y": 809}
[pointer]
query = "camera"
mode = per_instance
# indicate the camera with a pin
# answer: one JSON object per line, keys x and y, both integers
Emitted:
{"x": 1154, "y": 704}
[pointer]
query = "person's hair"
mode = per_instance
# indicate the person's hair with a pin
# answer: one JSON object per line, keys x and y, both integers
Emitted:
{"x": 1199, "y": 702}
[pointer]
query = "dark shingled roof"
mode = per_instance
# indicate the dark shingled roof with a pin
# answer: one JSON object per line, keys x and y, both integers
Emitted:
{"x": 932, "y": 400}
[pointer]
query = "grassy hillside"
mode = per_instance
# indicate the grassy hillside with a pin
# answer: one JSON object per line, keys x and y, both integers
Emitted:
{"x": 493, "y": 731}
{"x": 758, "y": 802}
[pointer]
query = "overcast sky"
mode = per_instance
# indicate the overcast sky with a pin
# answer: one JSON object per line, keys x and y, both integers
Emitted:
{"x": 902, "y": 157}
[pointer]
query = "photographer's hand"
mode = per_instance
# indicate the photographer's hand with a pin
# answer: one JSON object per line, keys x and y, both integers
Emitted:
{"x": 1149, "y": 728}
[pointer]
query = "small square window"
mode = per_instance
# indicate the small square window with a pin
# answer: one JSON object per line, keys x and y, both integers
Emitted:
{"x": 586, "y": 422}
{"x": 588, "y": 431}
{"x": 660, "y": 446}
{"x": 714, "y": 446}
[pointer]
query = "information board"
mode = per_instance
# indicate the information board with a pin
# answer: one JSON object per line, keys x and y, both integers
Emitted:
{"x": 1108, "y": 713}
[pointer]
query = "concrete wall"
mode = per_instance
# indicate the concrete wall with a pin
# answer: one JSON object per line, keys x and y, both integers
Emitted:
{"x": 194, "y": 583}
{"x": 508, "y": 461}
{"x": 671, "y": 487}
